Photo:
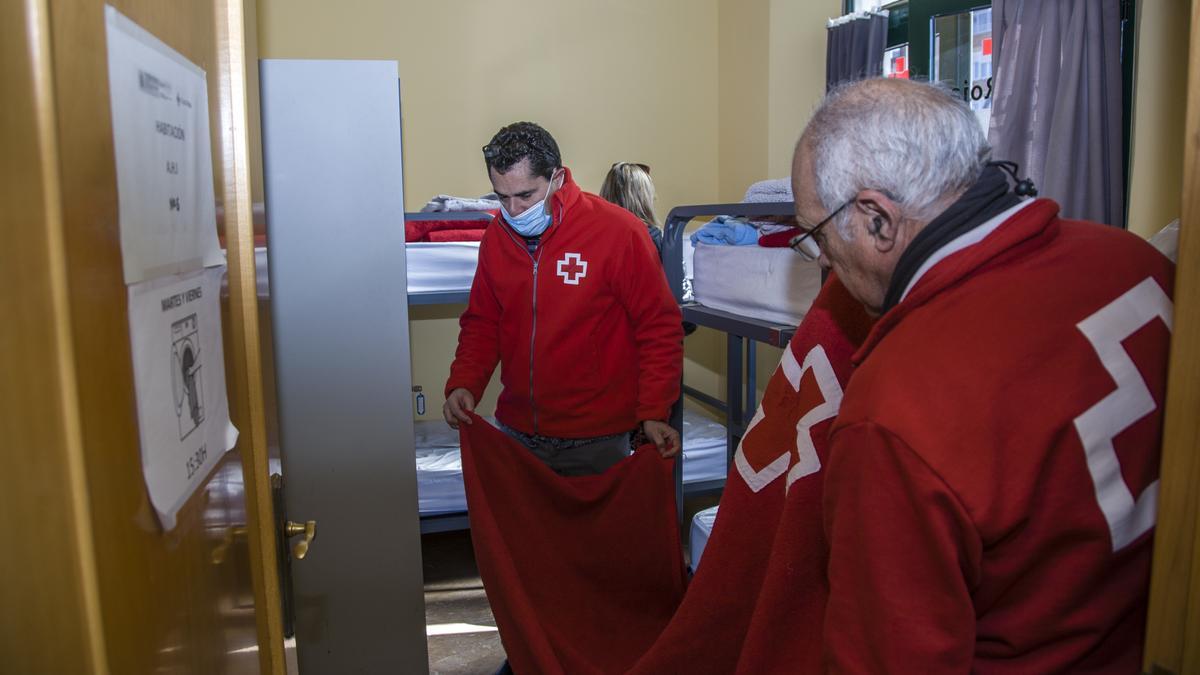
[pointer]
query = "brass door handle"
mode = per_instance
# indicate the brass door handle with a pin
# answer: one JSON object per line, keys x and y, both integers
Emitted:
{"x": 221, "y": 552}
{"x": 308, "y": 529}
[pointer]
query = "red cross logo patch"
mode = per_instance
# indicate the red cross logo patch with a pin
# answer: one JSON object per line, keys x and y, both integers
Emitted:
{"x": 779, "y": 439}
{"x": 572, "y": 268}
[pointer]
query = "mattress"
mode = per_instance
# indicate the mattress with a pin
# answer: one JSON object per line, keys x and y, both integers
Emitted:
{"x": 704, "y": 456}
{"x": 771, "y": 284}
{"x": 441, "y": 266}
{"x": 432, "y": 267}
{"x": 439, "y": 466}
{"x": 702, "y": 525}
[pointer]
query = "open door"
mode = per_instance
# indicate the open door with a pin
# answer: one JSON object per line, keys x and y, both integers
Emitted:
{"x": 1174, "y": 616}
{"x": 93, "y": 583}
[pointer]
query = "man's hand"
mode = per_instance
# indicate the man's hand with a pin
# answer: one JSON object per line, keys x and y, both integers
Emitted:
{"x": 663, "y": 435}
{"x": 458, "y": 404}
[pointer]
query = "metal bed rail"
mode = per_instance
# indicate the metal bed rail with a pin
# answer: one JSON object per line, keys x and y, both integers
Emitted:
{"x": 741, "y": 335}
{"x": 444, "y": 522}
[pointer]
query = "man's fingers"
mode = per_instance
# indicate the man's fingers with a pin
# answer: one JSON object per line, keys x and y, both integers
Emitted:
{"x": 674, "y": 444}
{"x": 665, "y": 438}
{"x": 459, "y": 404}
{"x": 454, "y": 412}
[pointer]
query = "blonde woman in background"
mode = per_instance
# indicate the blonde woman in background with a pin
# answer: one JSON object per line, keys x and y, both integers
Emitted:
{"x": 628, "y": 185}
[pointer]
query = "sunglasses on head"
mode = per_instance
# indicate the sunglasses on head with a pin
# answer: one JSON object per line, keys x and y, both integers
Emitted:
{"x": 643, "y": 167}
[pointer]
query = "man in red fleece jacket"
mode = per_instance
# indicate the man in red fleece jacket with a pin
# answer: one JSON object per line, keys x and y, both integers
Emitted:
{"x": 570, "y": 299}
{"x": 990, "y": 493}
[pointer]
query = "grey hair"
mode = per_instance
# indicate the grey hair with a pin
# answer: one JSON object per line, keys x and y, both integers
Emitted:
{"x": 917, "y": 143}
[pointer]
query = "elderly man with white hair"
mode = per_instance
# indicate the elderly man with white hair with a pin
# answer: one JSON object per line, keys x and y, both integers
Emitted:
{"x": 992, "y": 475}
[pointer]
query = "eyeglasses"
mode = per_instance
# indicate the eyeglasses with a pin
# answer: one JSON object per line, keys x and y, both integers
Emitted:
{"x": 643, "y": 167}
{"x": 805, "y": 245}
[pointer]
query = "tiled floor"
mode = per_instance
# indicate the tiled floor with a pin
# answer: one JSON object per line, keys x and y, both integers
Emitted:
{"x": 456, "y": 604}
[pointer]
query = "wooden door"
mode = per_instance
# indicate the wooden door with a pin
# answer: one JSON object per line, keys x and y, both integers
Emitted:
{"x": 91, "y": 583}
{"x": 1173, "y": 633}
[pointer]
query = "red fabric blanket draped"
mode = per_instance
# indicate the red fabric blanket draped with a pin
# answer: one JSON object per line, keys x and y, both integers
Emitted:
{"x": 456, "y": 235}
{"x": 757, "y": 602}
{"x": 582, "y": 573}
{"x": 424, "y": 230}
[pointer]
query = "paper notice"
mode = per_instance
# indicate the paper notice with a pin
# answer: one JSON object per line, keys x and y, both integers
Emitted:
{"x": 179, "y": 376}
{"x": 163, "y": 153}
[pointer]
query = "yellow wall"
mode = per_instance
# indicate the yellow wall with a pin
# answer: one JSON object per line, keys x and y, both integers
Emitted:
{"x": 771, "y": 75}
{"x": 1160, "y": 85}
{"x": 712, "y": 94}
{"x": 617, "y": 80}
{"x": 797, "y": 79}
{"x": 742, "y": 70}
{"x": 608, "y": 79}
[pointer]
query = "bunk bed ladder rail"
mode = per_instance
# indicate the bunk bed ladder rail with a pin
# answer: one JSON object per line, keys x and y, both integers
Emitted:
{"x": 742, "y": 333}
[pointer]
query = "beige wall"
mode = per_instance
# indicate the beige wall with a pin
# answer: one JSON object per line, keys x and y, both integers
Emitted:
{"x": 797, "y": 79}
{"x": 617, "y": 80}
{"x": 742, "y": 70}
{"x": 771, "y": 75}
{"x": 796, "y": 86}
{"x": 1160, "y": 87}
{"x": 712, "y": 94}
{"x": 608, "y": 79}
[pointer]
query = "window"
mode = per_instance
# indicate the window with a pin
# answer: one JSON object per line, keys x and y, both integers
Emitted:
{"x": 895, "y": 62}
{"x": 961, "y": 57}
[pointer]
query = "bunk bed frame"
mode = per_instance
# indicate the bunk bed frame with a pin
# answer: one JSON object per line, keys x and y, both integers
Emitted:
{"x": 443, "y": 297}
{"x": 444, "y": 522}
{"x": 742, "y": 333}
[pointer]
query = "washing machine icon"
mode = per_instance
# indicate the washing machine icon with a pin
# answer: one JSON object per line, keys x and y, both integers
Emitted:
{"x": 187, "y": 385}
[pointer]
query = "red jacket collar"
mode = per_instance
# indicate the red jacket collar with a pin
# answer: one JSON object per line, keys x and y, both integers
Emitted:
{"x": 565, "y": 196}
{"x": 563, "y": 199}
{"x": 1029, "y": 222}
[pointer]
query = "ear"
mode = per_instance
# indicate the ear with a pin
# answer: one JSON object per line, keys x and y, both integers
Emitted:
{"x": 882, "y": 216}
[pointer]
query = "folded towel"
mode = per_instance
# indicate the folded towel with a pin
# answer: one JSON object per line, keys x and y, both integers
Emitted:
{"x": 766, "y": 227}
{"x": 774, "y": 190}
{"x": 450, "y": 203}
{"x": 779, "y": 239}
{"x": 725, "y": 230}
{"x": 456, "y": 235}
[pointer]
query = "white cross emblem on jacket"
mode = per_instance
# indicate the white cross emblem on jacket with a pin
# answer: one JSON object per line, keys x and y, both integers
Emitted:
{"x": 572, "y": 268}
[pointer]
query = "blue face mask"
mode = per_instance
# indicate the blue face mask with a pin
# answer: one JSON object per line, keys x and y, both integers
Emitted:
{"x": 534, "y": 220}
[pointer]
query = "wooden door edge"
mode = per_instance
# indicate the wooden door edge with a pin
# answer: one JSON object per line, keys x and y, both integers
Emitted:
{"x": 1174, "y": 581}
{"x": 37, "y": 34}
{"x": 247, "y": 361}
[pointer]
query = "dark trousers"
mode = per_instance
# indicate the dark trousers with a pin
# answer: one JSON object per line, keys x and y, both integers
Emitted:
{"x": 575, "y": 457}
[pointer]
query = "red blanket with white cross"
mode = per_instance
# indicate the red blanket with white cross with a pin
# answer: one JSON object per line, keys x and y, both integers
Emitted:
{"x": 757, "y": 602}
{"x": 582, "y": 573}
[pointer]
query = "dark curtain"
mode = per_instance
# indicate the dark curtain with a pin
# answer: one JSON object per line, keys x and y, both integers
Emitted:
{"x": 855, "y": 50}
{"x": 1057, "y": 108}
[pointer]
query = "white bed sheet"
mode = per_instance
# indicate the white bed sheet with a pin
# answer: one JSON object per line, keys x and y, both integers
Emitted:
{"x": 703, "y": 447}
{"x": 702, "y": 525}
{"x": 439, "y": 465}
{"x": 441, "y": 266}
{"x": 432, "y": 266}
{"x": 439, "y": 468}
{"x": 771, "y": 284}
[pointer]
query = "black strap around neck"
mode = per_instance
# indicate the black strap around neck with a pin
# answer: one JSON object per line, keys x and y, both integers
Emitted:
{"x": 988, "y": 197}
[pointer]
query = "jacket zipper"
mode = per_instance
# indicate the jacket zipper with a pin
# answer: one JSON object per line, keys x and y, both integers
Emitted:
{"x": 532, "y": 336}
{"x": 533, "y": 332}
